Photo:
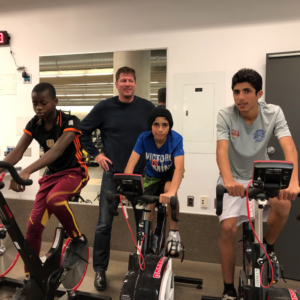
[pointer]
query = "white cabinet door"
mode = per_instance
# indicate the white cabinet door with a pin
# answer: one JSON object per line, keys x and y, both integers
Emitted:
{"x": 198, "y": 112}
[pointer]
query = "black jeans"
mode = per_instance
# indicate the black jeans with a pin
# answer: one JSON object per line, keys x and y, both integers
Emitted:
{"x": 104, "y": 225}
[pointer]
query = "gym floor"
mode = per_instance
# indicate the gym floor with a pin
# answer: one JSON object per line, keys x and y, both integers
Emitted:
{"x": 210, "y": 273}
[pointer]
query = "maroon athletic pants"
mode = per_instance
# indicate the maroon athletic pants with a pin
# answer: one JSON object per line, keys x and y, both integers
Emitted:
{"x": 52, "y": 198}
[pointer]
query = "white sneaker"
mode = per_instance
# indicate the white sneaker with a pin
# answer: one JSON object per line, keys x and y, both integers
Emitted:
{"x": 226, "y": 297}
{"x": 174, "y": 245}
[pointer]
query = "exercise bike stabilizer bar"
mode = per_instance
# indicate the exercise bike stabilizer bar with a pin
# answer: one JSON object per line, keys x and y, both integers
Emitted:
{"x": 146, "y": 199}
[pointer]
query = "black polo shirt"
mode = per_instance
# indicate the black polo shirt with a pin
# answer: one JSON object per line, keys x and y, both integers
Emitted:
{"x": 72, "y": 156}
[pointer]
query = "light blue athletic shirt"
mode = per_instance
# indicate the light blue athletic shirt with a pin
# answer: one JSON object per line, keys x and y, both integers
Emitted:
{"x": 248, "y": 143}
{"x": 159, "y": 161}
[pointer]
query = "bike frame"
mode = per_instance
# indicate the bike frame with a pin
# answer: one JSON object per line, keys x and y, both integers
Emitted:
{"x": 45, "y": 272}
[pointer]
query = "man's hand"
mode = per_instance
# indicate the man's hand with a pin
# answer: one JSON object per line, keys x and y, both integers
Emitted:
{"x": 235, "y": 189}
{"x": 102, "y": 161}
{"x": 165, "y": 198}
{"x": 290, "y": 193}
{"x": 16, "y": 187}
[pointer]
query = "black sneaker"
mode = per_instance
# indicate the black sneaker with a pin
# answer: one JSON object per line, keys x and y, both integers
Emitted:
{"x": 20, "y": 294}
{"x": 74, "y": 253}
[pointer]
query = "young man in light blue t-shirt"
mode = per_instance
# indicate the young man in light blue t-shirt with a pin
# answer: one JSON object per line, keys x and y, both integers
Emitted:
{"x": 163, "y": 148}
{"x": 243, "y": 133}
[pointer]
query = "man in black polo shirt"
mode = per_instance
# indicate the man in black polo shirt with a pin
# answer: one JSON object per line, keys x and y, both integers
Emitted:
{"x": 66, "y": 174}
{"x": 121, "y": 120}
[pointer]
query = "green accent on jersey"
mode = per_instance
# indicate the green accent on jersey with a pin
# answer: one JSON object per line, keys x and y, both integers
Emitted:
{"x": 148, "y": 181}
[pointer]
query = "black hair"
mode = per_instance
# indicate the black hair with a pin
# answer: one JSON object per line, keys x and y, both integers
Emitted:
{"x": 162, "y": 95}
{"x": 125, "y": 70}
{"x": 250, "y": 76}
{"x": 160, "y": 112}
{"x": 44, "y": 86}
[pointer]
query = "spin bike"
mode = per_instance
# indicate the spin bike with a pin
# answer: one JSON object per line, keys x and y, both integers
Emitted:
{"x": 269, "y": 177}
{"x": 150, "y": 275}
{"x": 46, "y": 275}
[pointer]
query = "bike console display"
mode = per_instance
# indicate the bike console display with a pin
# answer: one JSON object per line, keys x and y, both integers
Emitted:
{"x": 271, "y": 174}
{"x": 129, "y": 184}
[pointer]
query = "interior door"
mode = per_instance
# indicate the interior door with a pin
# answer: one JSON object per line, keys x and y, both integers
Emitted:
{"x": 283, "y": 89}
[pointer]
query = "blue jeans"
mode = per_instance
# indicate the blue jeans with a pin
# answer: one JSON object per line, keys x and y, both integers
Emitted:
{"x": 104, "y": 225}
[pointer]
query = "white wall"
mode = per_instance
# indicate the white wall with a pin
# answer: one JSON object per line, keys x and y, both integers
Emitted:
{"x": 11, "y": 107}
{"x": 200, "y": 37}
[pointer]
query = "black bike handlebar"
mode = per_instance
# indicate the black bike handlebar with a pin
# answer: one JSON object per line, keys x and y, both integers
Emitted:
{"x": 147, "y": 199}
{"x": 14, "y": 174}
{"x": 221, "y": 190}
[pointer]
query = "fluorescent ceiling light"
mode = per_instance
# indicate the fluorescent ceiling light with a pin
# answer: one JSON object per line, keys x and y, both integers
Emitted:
{"x": 97, "y": 83}
{"x": 75, "y": 75}
{"x": 284, "y": 54}
{"x": 84, "y": 95}
{"x": 70, "y": 75}
{"x": 98, "y": 74}
{"x": 101, "y": 83}
{"x": 153, "y": 94}
{"x": 92, "y": 99}
{"x": 154, "y": 82}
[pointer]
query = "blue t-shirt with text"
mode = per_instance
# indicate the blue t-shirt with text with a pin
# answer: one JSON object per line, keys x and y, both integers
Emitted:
{"x": 159, "y": 161}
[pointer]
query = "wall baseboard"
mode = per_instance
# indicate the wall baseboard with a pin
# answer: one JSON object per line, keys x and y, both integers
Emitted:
{"x": 199, "y": 233}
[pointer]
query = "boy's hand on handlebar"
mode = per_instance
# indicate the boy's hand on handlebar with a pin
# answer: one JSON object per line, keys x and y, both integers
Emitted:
{"x": 290, "y": 193}
{"x": 17, "y": 187}
{"x": 102, "y": 161}
{"x": 235, "y": 189}
{"x": 165, "y": 198}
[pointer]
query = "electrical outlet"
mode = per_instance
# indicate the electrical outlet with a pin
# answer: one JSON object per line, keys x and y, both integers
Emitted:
{"x": 203, "y": 201}
{"x": 190, "y": 201}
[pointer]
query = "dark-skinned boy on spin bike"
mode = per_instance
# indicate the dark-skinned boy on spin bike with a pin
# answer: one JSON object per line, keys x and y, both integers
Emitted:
{"x": 163, "y": 148}
{"x": 66, "y": 173}
{"x": 243, "y": 133}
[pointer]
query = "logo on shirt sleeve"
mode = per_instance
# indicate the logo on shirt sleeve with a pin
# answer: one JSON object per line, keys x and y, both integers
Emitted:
{"x": 259, "y": 135}
{"x": 71, "y": 123}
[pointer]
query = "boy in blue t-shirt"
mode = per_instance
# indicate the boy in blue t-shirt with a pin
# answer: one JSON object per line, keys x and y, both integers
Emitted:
{"x": 163, "y": 148}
